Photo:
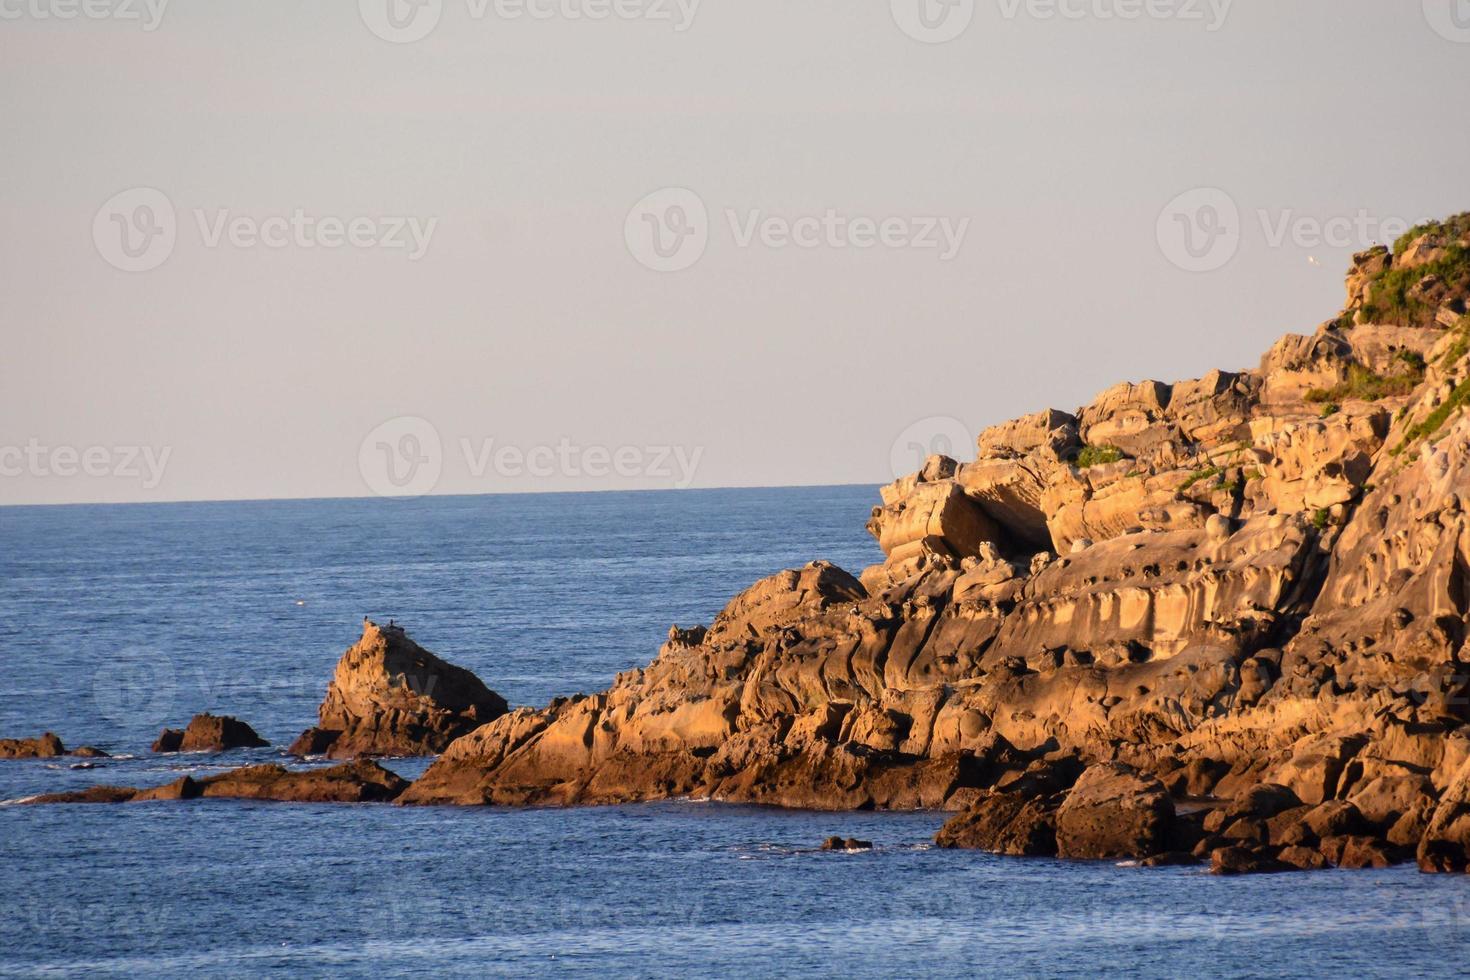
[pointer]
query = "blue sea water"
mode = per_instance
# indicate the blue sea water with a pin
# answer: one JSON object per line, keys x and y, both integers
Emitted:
{"x": 119, "y": 620}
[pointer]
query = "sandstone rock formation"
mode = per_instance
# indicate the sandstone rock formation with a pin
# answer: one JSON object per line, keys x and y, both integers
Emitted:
{"x": 47, "y": 746}
{"x": 1114, "y": 811}
{"x": 361, "y": 781}
{"x": 209, "y": 733}
{"x": 1254, "y": 578}
{"x": 391, "y": 697}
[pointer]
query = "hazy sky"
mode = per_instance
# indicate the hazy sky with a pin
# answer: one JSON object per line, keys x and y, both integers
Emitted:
{"x": 984, "y": 222}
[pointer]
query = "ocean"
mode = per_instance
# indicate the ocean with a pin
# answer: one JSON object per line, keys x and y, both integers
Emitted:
{"x": 119, "y": 620}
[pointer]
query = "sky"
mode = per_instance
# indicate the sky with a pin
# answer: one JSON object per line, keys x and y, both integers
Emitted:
{"x": 360, "y": 247}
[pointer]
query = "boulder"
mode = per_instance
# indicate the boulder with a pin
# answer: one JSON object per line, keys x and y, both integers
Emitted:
{"x": 1385, "y": 798}
{"x": 1114, "y": 811}
{"x": 1196, "y": 778}
{"x": 846, "y": 844}
{"x": 313, "y": 741}
{"x": 1262, "y": 802}
{"x": 209, "y": 733}
{"x": 391, "y": 697}
{"x": 1170, "y": 859}
{"x": 46, "y": 746}
{"x": 1003, "y": 823}
{"x": 1334, "y": 818}
{"x": 1446, "y": 842}
{"x": 936, "y": 517}
{"x": 1289, "y": 828}
{"x": 1239, "y": 860}
{"x": 1302, "y": 858}
{"x": 1316, "y": 764}
{"x": 1357, "y": 852}
{"x": 168, "y": 740}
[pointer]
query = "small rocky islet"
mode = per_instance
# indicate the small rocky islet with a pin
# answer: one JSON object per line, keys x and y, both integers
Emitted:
{"x": 1221, "y": 621}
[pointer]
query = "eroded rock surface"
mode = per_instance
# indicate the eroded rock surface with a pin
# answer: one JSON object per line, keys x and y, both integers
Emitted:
{"x": 1247, "y": 590}
{"x": 391, "y": 697}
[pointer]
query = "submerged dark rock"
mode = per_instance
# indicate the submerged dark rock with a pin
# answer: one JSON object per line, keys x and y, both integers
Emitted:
{"x": 362, "y": 781}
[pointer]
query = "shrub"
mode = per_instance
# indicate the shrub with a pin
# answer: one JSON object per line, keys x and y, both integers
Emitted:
{"x": 1412, "y": 360}
{"x": 1320, "y": 519}
{"x": 1436, "y": 419}
{"x": 1199, "y": 475}
{"x": 1388, "y": 297}
{"x": 1461, "y": 346}
{"x": 1368, "y": 385}
{"x": 1450, "y": 227}
{"x": 1097, "y": 456}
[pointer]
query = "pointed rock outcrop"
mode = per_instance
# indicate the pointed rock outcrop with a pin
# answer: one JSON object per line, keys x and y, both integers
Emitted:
{"x": 391, "y": 697}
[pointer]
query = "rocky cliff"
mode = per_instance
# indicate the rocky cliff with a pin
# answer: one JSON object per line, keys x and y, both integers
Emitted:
{"x": 1253, "y": 578}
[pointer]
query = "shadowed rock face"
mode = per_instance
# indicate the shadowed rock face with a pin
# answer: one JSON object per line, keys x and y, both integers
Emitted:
{"x": 1254, "y": 577}
{"x": 391, "y": 697}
